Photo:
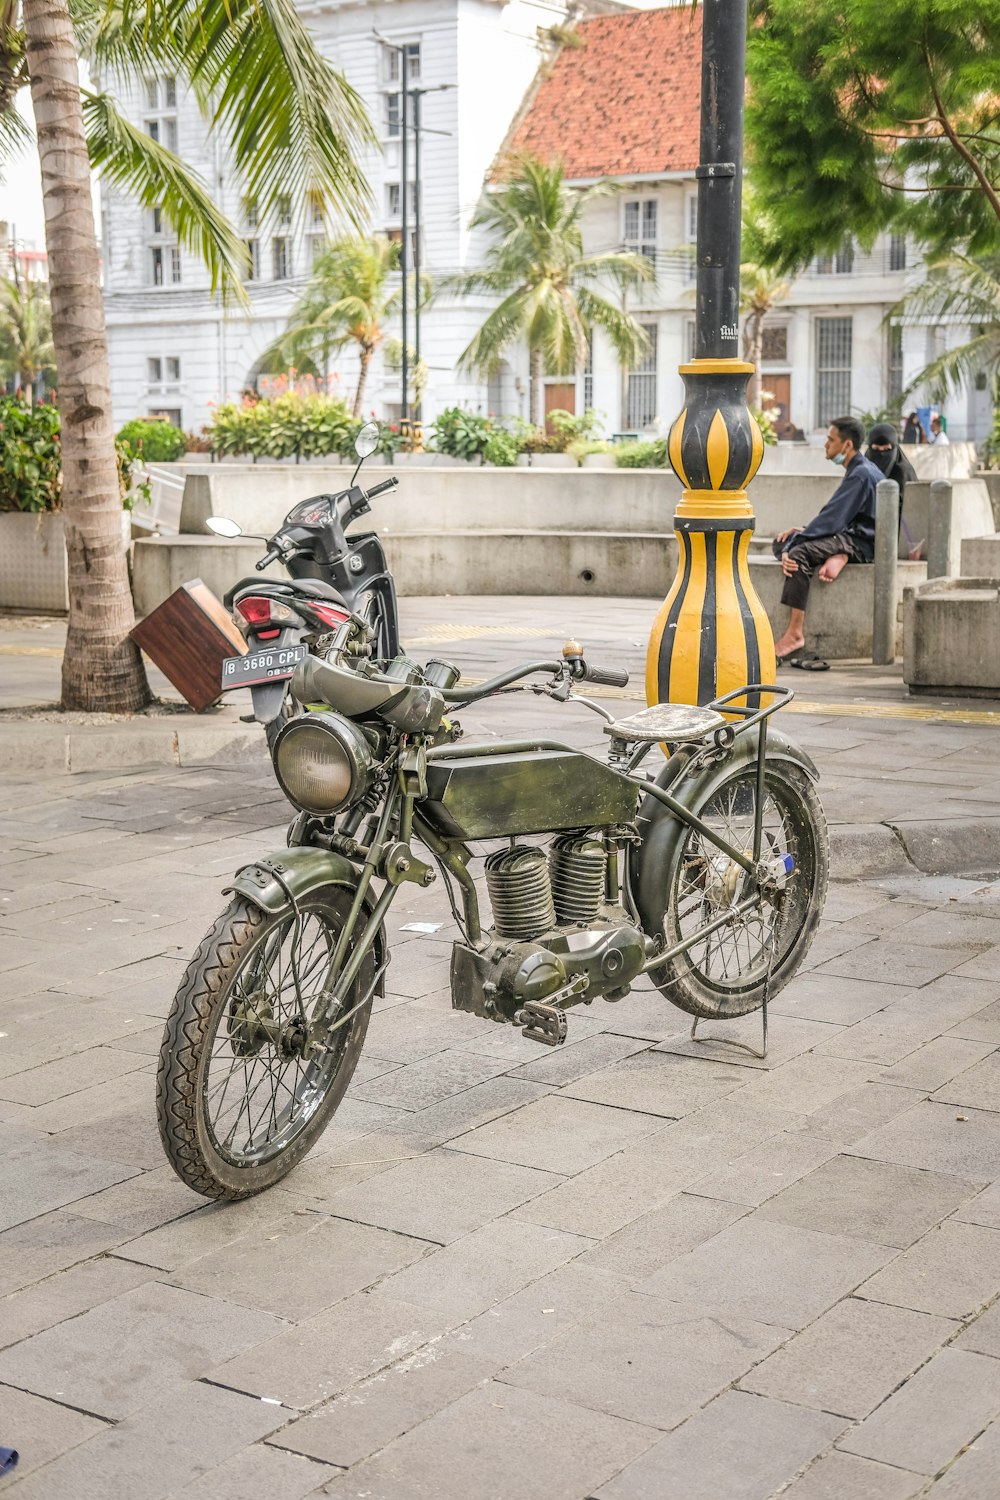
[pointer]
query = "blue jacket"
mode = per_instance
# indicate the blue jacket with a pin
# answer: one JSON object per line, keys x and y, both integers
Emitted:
{"x": 850, "y": 508}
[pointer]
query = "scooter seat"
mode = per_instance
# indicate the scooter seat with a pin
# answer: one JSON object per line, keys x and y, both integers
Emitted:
{"x": 312, "y": 588}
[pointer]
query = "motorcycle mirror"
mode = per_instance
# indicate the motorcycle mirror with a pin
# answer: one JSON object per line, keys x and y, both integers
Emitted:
{"x": 367, "y": 440}
{"x": 223, "y": 526}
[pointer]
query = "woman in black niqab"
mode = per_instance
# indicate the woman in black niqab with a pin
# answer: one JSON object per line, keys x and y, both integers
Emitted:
{"x": 886, "y": 454}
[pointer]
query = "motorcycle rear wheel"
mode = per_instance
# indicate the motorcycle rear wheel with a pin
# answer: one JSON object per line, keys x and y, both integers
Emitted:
{"x": 727, "y": 973}
{"x": 238, "y": 1109}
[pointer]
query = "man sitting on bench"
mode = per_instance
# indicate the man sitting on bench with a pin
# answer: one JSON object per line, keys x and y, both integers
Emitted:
{"x": 843, "y": 532}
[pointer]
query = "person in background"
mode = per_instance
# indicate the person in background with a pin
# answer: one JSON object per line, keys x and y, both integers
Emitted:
{"x": 884, "y": 452}
{"x": 912, "y": 430}
{"x": 938, "y": 434}
{"x": 843, "y": 532}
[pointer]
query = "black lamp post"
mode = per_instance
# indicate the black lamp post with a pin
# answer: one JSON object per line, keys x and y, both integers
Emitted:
{"x": 712, "y": 634}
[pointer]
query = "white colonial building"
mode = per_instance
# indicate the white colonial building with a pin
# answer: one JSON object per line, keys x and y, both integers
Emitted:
{"x": 619, "y": 107}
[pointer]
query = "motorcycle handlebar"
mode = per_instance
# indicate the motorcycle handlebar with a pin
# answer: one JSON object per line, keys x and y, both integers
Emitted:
{"x": 608, "y": 676}
{"x": 269, "y": 557}
{"x": 380, "y": 489}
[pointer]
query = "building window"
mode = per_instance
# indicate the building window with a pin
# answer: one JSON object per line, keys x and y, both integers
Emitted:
{"x": 283, "y": 210}
{"x": 281, "y": 258}
{"x": 253, "y": 253}
{"x": 641, "y": 398}
{"x": 170, "y": 93}
{"x": 394, "y": 59}
{"x": 897, "y": 252}
{"x": 840, "y": 264}
{"x": 640, "y": 227}
{"x": 170, "y": 134}
{"x": 894, "y": 364}
{"x": 173, "y": 369}
{"x": 690, "y": 339}
{"x": 175, "y": 264}
{"x": 154, "y": 370}
{"x": 392, "y": 200}
{"x": 157, "y": 220}
{"x": 588, "y": 375}
{"x": 152, "y": 94}
{"x": 250, "y": 217}
{"x": 774, "y": 343}
{"x": 317, "y": 245}
{"x": 691, "y": 226}
{"x": 392, "y": 115}
{"x": 156, "y": 264}
{"x": 169, "y": 414}
{"x": 152, "y": 128}
{"x": 834, "y": 338}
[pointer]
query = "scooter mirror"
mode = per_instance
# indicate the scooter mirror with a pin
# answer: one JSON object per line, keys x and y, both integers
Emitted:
{"x": 367, "y": 440}
{"x": 223, "y": 526}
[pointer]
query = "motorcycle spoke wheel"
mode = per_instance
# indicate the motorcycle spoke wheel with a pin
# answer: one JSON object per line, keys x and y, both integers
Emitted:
{"x": 239, "y": 1100}
{"x": 725, "y": 972}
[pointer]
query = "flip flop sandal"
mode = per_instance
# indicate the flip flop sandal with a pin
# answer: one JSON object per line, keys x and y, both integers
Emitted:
{"x": 807, "y": 661}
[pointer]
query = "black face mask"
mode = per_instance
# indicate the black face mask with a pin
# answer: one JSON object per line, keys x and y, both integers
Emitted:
{"x": 883, "y": 432}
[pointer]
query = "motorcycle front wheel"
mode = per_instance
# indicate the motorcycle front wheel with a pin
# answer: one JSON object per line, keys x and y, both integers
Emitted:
{"x": 238, "y": 1101}
{"x": 727, "y": 972}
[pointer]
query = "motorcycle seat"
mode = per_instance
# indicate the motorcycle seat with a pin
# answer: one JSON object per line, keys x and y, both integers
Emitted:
{"x": 674, "y": 723}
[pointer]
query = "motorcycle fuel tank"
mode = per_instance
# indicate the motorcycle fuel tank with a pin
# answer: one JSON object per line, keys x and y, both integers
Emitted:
{"x": 511, "y": 792}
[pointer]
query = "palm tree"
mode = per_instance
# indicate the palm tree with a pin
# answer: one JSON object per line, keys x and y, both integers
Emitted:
{"x": 25, "y": 334}
{"x": 760, "y": 290}
{"x": 347, "y": 301}
{"x": 292, "y": 126}
{"x": 550, "y": 290}
{"x": 966, "y": 291}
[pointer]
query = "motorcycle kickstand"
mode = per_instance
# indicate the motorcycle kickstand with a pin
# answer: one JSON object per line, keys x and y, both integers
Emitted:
{"x": 726, "y": 1041}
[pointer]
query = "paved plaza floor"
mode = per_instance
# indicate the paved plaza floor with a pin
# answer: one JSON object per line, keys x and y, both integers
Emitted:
{"x": 632, "y": 1268}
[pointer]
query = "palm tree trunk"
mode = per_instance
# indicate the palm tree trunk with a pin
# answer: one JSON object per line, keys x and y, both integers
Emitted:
{"x": 755, "y": 339}
{"x": 366, "y": 359}
{"x": 102, "y": 668}
{"x": 536, "y": 378}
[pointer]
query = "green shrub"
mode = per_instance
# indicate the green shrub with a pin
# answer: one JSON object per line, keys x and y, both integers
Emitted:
{"x": 648, "y": 455}
{"x": 462, "y": 434}
{"x": 153, "y": 442}
{"x": 31, "y": 459}
{"x": 289, "y": 426}
{"x": 580, "y": 447}
{"x": 568, "y": 428}
{"x": 501, "y": 449}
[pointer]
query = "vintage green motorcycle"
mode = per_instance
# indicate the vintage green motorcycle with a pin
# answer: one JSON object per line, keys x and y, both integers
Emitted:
{"x": 710, "y": 878}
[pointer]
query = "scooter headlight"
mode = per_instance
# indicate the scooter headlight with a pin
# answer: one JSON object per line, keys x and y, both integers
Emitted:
{"x": 323, "y": 763}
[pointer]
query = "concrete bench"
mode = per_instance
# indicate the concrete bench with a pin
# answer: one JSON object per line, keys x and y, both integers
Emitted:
{"x": 951, "y": 637}
{"x": 839, "y": 617}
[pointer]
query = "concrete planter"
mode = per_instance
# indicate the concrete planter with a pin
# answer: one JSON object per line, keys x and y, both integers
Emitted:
{"x": 33, "y": 563}
{"x": 951, "y": 637}
{"x": 33, "y": 572}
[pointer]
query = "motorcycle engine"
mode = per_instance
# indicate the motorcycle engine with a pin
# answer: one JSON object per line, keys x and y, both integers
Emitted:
{"x": 551, "y": 924}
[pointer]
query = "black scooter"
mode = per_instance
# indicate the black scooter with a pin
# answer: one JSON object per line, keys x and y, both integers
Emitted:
{"x": 331, "y": 576}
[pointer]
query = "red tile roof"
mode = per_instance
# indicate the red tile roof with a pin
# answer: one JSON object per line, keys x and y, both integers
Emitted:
{"x": 625, "y": 102}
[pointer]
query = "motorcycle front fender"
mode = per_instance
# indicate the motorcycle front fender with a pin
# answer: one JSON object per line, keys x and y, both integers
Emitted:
{"x": 662, "y": 832}
{"x": 300, "y": 872}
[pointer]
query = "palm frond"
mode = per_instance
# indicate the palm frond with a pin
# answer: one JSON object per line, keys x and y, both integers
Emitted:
{"x": 132, "y": 160}
{"x": 293, "y": 123}
{"x": 15, "y": 134}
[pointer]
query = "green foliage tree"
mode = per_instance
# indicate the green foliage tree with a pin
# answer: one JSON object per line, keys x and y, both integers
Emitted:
{"x": 292, "y": 126}
{"x": 26, "y": 350}
{"x": 864, "y": 114}
{"x": 959, "y": 289}
{"x": 348, "y": 300}
{"x": 552, "y": 294}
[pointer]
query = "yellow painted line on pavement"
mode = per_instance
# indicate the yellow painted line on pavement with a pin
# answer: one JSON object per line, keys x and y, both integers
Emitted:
{"x": 31, "y": 651}
{"x": 436, "y": 633}
{"x": 980, "y": 716}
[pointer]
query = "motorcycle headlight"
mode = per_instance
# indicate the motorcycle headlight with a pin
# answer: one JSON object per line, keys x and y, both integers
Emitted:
{"x": 323, "y": 763}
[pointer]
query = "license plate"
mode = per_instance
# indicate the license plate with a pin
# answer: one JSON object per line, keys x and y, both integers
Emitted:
{"x": 261, "y": 666}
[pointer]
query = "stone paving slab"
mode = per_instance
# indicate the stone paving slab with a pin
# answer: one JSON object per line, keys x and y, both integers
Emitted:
{"x": 443, "y": 1299}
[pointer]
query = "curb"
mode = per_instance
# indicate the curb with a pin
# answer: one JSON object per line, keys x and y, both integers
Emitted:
{"x": 47, "y": 747}
{"x": 932, "y": 846}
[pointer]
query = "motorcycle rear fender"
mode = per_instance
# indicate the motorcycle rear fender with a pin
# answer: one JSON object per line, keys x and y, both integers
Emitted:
{"x": 302, "y": 871}
{"x": 662, "y": 832}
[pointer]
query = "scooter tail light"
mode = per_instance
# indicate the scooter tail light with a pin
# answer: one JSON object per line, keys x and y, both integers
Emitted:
{"x": 255, "y": 610}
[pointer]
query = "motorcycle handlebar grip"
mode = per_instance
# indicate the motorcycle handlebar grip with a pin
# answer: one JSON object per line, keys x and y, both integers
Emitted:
{"x": 269, "y": 557}
{"x": 607, "y": 676}
{"x": 380, "y": 489}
